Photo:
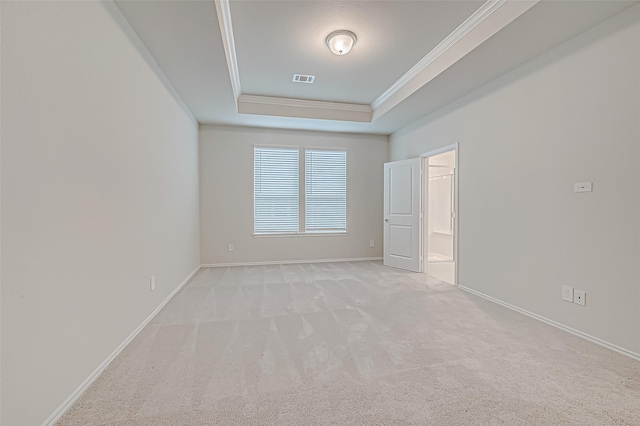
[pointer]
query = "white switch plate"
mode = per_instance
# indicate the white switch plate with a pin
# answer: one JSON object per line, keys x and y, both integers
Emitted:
{"x": 579, "y": 297}
{"x": 371, "y": 243}
{"x": 583, "y": 187}
{"x": 230, "y": 247}
{"x": 567, "y": 293}
{"x": 152, "y": 283}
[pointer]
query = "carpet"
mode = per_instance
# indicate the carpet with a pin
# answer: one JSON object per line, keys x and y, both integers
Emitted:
{"x": 353, "y": 343}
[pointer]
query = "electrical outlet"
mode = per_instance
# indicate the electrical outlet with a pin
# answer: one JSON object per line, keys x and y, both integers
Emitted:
{"x": 579, "y": 297}
{"x": 371, "y": 243}
{"x": 567, "y": 293}
{"x": 152, "y": 283}
{"x": 230, "y": 246}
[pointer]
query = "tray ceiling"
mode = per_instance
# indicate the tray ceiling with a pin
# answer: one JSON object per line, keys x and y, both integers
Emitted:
{"x": 232, "y": 62}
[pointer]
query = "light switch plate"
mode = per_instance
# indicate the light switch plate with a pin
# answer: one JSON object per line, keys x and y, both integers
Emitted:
{"x": 579, "y": 297}
{"x": 567, "y": 293}
{"x": 583, "y": 187}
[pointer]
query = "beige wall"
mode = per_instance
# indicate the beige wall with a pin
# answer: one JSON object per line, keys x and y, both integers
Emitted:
{"x": 99, "y": 192}
{"x": 572, "y": 115}
{"x": 226, "y": 197}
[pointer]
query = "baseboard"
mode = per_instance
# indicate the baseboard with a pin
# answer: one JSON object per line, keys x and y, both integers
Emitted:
{"x": 96, "y": 373}
{"x": 288, "y": 262}
{"x": 563, "y": 327}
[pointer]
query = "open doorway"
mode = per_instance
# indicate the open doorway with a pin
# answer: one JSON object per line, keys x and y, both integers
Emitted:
{"x": 440, "y": 221}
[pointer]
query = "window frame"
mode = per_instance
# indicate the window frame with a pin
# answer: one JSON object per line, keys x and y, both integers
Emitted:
{"x": 290, "y": 148}
{"x": 346, "y": 199}
{"x": 301, "y": 194}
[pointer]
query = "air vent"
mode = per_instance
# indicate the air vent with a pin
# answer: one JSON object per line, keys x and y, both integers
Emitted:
{"x": 301, "y": 78}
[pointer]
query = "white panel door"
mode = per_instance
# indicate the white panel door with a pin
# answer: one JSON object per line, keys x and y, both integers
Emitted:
{"x": 402, "y": 205}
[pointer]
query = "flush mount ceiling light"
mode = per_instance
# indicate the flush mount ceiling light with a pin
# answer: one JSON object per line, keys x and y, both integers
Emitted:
{"x": 340, "y": 42}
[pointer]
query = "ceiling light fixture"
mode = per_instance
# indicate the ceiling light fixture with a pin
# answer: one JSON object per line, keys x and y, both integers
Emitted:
{"x": 340, "y": 42}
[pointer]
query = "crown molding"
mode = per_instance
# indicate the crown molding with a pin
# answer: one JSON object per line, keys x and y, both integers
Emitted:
{"x": 303, "y": 108}
{"x": 133, "y": 37}
{"x": 490, "y": 18}
{"x": 478, "y": 16}
{"x": 305, "y": 103}
{"x": 223, "y": 10}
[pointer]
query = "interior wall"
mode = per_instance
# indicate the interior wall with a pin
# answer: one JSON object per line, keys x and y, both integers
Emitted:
{"x": 99, "y": 193}
{"x": 226, "y": 196}
{"x": 570, "y": 115}
{"x": 0, "y": 216}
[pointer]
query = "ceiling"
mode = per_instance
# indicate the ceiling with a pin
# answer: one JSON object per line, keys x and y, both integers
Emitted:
{"x": 232, "y": 62}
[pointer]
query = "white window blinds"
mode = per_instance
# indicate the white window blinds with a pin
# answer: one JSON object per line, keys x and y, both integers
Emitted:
{"x": 275, "y": 192}
{"x": 325, "y": 191}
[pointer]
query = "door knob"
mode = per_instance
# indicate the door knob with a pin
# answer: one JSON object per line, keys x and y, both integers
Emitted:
{"x": 386, "y": 220}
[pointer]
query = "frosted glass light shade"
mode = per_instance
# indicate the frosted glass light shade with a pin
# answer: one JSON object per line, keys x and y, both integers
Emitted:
{"x": 340, "y": 42}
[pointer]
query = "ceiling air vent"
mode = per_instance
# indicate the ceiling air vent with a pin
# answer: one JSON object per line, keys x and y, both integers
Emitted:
{"x": 301, "y": 78}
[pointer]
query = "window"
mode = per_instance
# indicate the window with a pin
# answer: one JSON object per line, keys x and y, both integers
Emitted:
{"x": 325, "y": 190}
{"x": 277, "y": 208}
{"x": 275, "y": 190}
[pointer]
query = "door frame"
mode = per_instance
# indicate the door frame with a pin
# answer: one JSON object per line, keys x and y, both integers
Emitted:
{"x": 425, "y": 199}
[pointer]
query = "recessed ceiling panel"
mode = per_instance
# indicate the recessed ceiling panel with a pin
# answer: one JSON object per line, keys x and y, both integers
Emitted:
{"x": 275, "y": 39}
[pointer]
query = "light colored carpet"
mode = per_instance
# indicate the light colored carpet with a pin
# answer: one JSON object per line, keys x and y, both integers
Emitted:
{"x": 357, "y": 344}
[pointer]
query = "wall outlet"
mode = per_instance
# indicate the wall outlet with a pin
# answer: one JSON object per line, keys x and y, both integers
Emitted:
{"x": 567, "y": 293}
{"x": 152, "y": 283}
{"x": 230, "y": 246}
{"x": 579, "y": 297}
{"x": 371, "y": 243}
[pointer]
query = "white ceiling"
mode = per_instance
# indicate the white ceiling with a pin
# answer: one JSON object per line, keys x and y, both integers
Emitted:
{"x": 454, "y": 46}
{"x": 297, "y": 31}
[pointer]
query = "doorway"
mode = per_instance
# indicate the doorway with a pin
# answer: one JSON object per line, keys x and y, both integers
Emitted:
{"x": 440, "y": 221}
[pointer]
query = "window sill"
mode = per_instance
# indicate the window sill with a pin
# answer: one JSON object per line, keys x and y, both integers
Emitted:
{"x": 302, "y": 234}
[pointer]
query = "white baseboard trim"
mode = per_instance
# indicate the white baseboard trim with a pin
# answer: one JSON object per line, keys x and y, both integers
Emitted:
{"x": 289, "y": 262}
{"x": 53, "y": 418}
{"x": 563, "y": 327}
